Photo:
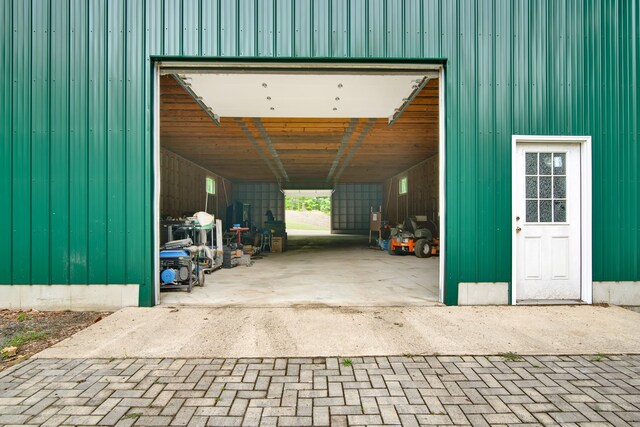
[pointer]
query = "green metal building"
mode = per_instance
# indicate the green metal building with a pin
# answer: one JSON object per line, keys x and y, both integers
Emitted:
{"x": 77, "y": 122}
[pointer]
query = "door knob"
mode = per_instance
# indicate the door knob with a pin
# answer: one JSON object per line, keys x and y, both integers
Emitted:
{"x": 518, "y": 229}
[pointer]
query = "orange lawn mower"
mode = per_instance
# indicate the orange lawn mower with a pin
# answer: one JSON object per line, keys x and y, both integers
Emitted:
{"x": 417, "y": 235}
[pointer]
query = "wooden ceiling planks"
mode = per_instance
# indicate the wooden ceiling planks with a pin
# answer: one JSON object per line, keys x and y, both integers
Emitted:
{"x": 306, "y": 147}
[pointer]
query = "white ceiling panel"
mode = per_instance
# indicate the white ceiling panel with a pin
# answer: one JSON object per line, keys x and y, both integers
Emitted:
{"x": 303, "y": 95}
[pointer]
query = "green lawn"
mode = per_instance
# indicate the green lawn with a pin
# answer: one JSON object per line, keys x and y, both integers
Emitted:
{"x": 292, "y": 225}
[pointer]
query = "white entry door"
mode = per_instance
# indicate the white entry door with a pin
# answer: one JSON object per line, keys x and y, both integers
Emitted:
{"x": 547, "y": 206}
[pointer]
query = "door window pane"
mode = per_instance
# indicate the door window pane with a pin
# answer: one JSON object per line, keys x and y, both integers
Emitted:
{"x": 546, "y": 187}
{"x": 545, "y": 163}
{"x": 545, "y": 210}
{"x": 559, "y": 211}
{"x": 559, "y": 167}
{"x": 559, "y": 187}
{"x": 532, "y": 211}
{"x": 532, "y": 187}
{"x": 532, "y": 163}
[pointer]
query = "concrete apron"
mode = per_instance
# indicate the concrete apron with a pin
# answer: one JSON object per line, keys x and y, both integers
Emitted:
{"x": 308, "y": 331}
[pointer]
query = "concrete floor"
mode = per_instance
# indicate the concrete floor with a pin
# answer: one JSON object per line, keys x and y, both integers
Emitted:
{"x": 333, "y": 270}
{"x": 310, "y": 331}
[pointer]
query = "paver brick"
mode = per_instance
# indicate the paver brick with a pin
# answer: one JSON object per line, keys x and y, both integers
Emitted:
{"x": 375, "y": 390}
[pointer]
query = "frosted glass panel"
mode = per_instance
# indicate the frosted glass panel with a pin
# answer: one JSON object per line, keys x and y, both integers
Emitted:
{"x": 545, "y": 163}
{"x": 532, "y": 163}
{"x": 559, "y": 164}
{"x": 545, "y": 187}
{"x": 559, "y": 187}
{"x": 532, "y": 211}
{"x": 532, "y": 187}
{"x": 559, "y": 211}
{"x": 545, "y": 210}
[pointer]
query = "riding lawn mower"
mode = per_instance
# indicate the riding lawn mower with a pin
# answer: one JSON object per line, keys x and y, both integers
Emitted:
{"x": 417, "y": 235}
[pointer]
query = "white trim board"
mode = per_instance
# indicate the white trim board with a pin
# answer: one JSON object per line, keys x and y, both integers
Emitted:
{"x": 586, "y": 284}
{"x": 156, "y": 182}
{"x": 442, "y": 182}
{"x": 69, "y": 297}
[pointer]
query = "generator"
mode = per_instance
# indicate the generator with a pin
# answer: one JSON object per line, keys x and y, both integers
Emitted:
{"x": 179, "y": 267}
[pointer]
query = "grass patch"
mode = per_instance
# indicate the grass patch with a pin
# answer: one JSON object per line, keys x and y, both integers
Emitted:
{"x": 347, "y": 362}
{"x": 599, "y": 357}
{"x": 293, "y": 225}
{"x": 22, "y": 317}
{"x": 22, "y": 338}
{"x": 511, "y": 357}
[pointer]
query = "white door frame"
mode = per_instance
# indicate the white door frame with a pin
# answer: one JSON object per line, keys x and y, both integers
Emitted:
{"x": 157, "y": 72}
{"x": 586, "y": 283}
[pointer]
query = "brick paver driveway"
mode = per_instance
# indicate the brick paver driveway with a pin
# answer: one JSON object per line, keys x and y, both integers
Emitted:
{"x": 440, "y": 390}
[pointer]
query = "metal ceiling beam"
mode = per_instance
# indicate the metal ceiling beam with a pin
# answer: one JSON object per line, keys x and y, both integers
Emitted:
{"x": 274, "y": 153}
{"x": 363, "y": 134}
{"x": 187, "y": 87}
{"x": 343, "y": 145}
{"x": 416, "y": 91}
{"x": 255, "y": 144}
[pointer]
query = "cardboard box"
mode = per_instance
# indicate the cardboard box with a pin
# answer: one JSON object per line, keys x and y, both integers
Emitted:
{"x": 277, "y": 244}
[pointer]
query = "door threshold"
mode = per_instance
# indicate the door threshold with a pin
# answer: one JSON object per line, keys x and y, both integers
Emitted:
{"x": 550, "y": 302}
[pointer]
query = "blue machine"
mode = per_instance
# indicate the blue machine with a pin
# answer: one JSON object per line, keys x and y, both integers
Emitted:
{"x": 178, "y": 267}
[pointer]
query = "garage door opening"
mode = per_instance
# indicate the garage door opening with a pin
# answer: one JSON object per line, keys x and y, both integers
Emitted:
{"x": 319, "y": 184}
{"x": 307, "y": 212}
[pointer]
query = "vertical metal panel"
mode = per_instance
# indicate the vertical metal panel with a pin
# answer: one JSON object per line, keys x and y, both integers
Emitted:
{"x": 376, "y": 31}
{"x": 431, "y": 24}
{"x": 40, "y": 150}
{"x": 521, "y": 76}
{"x": 351, "y": 205}
{"x": 247, "y": 31}
{"x": 339, "y": 29}
{"x": 538, "y": 36}
{"x": 322, "y": 35}
{"x": 6, "y": 156}
{"x": 486, "y": 149}
{"x": 302, "y": 28}
{"x": 115, "y": 141}
{"x": 358, "y": 28}
{"x": 503, "y": 116}
{"x": 172, "y": 19}
{"x": 191, "y": 27}
{"x": 228, "y": 28}
{"x": 210, "y": 28}
{"x": 78, "y": 143}
{"x": 284, "y": 25}
{"x": 262, "y": 196}
{"x": 135, "y": 72}
{"x": 468, "y": 141}
{"x": 21, "y": 150}
{"x": 413, "y": 21}
{"x": 527, "y": 67}
{"x": 59, "y": 215}
{"x": 449, "y": 45}
{"x": 97, "y": 143}
{"x": 394, "y": 29}
{"x": 266, "y": 28}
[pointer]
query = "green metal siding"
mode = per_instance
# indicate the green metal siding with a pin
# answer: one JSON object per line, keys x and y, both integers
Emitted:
{"x": 75, "y": 115}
